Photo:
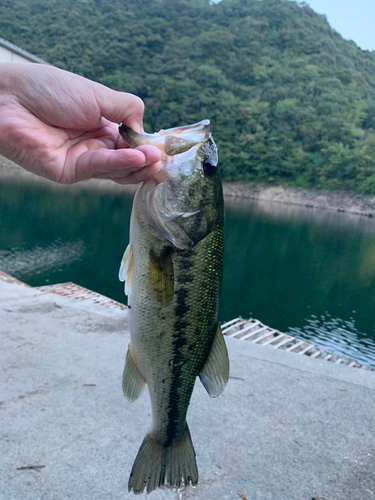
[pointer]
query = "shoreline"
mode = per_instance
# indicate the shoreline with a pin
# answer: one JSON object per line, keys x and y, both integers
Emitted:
{"x": 340, "y": 201}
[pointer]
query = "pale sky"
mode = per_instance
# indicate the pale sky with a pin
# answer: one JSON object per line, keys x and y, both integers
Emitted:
{"x": 353, "y": 19}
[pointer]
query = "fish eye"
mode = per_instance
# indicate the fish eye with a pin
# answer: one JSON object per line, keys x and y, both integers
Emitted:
{"x": 209, "y": 168}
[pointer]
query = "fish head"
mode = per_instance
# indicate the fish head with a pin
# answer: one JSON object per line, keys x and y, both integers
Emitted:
{"x": 183, "y": 201}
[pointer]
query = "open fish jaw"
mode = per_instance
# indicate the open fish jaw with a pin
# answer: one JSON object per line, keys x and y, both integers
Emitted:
{"x": 174, "y": 141}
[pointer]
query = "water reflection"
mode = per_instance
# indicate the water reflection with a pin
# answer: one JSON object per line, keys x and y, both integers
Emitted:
{"x": 41, "y": 260}
{"x": 337, "y": 336}
{"x": 86, "y": 232}
{"x": 281, "y": 212}
{"x": 285, "y": 263}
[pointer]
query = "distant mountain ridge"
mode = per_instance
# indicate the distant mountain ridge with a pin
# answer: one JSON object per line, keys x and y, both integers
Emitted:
{"x": 290, "y": 100}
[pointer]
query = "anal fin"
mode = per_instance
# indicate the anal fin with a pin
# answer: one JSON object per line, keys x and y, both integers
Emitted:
{"x": 215, "y": 373}
{"x": 132, "y": 380}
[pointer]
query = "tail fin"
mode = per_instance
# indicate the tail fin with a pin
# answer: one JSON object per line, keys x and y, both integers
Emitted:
{"x": 157, "y": 465}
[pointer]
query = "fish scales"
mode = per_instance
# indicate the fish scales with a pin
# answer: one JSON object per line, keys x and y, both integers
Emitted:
{"x": 173, "y": 287}
{"x": 174, "y": 340}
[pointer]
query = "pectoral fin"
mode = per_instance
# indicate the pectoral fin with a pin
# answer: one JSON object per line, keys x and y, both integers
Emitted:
{"x": 126, "y": 268}
{"x": 215, "y": 373}
{"x": 132, "y": 380}
{"x": 160, "y": 284}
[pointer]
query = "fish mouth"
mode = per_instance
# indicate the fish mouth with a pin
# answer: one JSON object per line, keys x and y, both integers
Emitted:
{"x": 178, "y": 144}
{"x": 170, "y": 141}
{"x": 195, "y": 133}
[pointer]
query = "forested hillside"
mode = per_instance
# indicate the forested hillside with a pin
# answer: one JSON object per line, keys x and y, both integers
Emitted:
{"x": 290, "y": 101}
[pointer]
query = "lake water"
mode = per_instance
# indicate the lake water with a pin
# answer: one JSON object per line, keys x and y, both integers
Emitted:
{"x": 307, "y": 272}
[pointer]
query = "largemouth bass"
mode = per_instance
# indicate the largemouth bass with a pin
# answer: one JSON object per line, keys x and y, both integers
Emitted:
{"x": 172, "y": 270}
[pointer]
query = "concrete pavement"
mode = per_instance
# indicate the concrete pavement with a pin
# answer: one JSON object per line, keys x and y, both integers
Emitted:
{"x": 287, "y": 427}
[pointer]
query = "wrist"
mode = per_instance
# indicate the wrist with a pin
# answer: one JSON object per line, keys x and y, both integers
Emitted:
{"x": 8, "y": 72}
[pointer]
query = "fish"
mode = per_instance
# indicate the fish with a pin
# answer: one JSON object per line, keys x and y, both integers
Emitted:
{"x": 172, "y": 270}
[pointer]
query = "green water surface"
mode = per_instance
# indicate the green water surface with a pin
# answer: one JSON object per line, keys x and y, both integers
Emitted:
{"x": 309, "y": 272}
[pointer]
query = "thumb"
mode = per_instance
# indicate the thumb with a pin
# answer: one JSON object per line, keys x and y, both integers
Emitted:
{"x": 120, "y": 107}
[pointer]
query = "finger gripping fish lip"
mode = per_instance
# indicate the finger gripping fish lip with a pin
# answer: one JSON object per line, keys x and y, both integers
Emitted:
{"x": 174, "y": 141}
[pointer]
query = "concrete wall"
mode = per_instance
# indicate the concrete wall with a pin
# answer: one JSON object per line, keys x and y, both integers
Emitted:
{"x": 9, "y": 56}
{"x": 11, "y": 53}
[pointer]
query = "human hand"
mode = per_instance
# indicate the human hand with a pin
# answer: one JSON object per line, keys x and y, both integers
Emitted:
{"x": 65, "y": 127}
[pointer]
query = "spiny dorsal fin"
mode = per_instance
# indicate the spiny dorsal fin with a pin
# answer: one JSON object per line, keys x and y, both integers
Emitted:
{"x": 126, "y": 268}
{"x": 215, "y": 373}
{"x": 132, "y": 380}
{"x": 160, "y": 284}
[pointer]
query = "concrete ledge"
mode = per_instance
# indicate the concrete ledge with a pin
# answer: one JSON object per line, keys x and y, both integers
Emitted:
{"x": 303, "y": 363}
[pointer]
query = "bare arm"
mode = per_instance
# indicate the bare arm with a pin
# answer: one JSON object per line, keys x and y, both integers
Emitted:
{"x": 65, "y": 127}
